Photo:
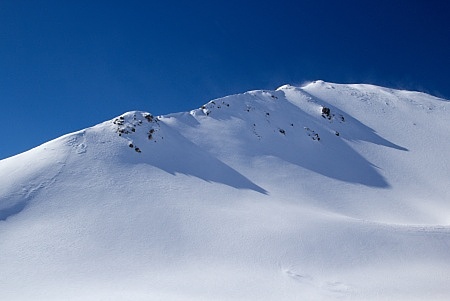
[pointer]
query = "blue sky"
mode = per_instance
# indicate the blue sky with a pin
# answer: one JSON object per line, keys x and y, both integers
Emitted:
{"x": 68, "y": 65}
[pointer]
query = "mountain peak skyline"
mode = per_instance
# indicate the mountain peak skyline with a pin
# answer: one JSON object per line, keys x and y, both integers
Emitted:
{"x": 67, "y": 65}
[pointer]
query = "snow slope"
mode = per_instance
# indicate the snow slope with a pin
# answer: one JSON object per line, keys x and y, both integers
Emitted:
{"x": 320, "y": 192}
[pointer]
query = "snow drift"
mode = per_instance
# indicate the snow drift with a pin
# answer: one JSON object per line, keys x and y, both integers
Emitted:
{"x": 320, "y": 192}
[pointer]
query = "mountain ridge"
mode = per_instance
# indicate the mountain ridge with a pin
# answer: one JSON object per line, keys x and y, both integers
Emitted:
{"x": 325, "y": 191}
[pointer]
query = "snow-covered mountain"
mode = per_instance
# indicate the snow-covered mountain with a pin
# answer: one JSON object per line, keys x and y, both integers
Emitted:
{"x": 320, "y": 192}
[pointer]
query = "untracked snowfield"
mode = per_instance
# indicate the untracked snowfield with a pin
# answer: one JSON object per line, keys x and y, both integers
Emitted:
{"x": 321, "y": 192}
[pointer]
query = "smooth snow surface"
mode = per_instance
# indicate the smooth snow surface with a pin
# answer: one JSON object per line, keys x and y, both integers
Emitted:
{"x": 321, "y": 192}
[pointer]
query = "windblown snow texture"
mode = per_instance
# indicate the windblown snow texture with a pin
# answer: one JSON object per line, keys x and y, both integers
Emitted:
{"x": 320, "y": 192}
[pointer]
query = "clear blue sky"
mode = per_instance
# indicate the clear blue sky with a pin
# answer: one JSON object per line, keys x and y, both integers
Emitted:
{"x": 68, "y": 65}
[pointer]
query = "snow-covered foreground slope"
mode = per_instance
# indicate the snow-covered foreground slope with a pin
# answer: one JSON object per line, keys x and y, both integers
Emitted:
{"x": 321, "y": 192}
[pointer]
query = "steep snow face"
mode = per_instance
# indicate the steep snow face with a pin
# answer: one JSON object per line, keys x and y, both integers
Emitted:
{"x": 320, "y": 192}
{"x": 358, "y": 150}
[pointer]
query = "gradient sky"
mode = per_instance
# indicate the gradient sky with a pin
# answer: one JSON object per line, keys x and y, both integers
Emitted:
{"x": 68, "y": 65}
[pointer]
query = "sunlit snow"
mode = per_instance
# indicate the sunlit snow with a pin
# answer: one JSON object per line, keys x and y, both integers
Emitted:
{"x": 320, "y": 192}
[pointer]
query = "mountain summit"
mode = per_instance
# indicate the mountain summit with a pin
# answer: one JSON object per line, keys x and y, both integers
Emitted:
{"x": 320, "y": 192}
